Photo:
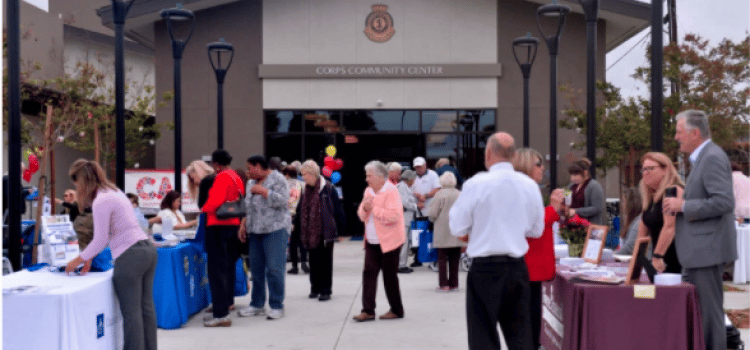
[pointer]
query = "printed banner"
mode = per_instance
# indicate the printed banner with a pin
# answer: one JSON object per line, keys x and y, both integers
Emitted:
{"x": 152, "y": 185}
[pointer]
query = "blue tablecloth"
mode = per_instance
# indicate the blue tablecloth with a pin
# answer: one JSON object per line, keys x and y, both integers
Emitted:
{"x": 181, "y": 284}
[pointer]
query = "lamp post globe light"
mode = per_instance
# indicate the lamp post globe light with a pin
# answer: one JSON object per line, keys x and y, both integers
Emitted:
{"x": 217, "y": 49}
{"x": 546, "y": 13}
{"x": 119, "y": 14}
{"x": 529, "y": 44}
{"x": 591, "y": 14}
{"x": 186, "y": 18}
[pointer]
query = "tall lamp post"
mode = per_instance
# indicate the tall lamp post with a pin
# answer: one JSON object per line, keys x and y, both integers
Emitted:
{"x": 657, "y": 96}
{"x": 558, "y": 12}
{"x": 591, "y": 14}
{"x": 14, "y": 133}
{"x": 172, "y": 16}
{"x": 216, "y": 49}
{"x": 530, "y": 44}
{"x": 119, "y": 13}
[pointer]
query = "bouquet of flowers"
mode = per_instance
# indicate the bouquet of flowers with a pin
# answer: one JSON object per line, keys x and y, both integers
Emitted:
{"x": 574, "y": 231}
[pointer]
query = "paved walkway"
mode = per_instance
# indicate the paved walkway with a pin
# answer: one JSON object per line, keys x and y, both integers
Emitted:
{"x": 432, "y": 320}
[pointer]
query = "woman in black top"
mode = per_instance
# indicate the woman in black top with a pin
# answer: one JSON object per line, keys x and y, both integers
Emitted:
{"x": 70, "y": 204}
{"x": 659, "y": 174}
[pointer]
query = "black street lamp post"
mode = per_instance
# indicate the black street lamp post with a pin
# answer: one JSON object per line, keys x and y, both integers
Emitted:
{"x": 172, "y": 16}
{"x": 14, "y": 133}
{"x": 530, "y": 44}
{"x": 657, "y": 95}
{"x": 218, "y": 48}
{"x": 591, "y": 14}
{"x": 119, "y": 13}
{"x": 558, "y": 12}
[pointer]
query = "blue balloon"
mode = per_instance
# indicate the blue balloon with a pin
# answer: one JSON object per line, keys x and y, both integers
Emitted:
{"x": 335, "y": 177}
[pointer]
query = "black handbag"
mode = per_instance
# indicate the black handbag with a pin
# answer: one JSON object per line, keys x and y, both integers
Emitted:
{"x": 233, "y": 209}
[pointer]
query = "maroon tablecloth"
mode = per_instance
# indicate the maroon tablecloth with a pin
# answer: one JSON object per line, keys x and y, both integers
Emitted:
{"x": 594, "y": 316}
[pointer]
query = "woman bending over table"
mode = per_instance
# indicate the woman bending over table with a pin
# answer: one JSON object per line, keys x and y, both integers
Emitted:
{"x": 135, "y": 257}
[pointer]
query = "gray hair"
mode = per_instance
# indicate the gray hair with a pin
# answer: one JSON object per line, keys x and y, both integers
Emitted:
{"x": 448, "y": 180}
{"x": 393, "y": 166}
{"x": 408, "y": 175}
{"x": 442, "y": 162}
{"x": 309, "y": 166}
{"x": 377, "y": 168}
{"x": 695, "y": 119}
{"x": 297, "y": 164}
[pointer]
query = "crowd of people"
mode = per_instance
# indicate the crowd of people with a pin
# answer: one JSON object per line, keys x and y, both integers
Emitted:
{"x": 511, "y": 242}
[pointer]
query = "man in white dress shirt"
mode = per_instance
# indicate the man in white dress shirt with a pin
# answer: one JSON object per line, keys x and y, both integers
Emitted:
{"x": 495, "y": 213}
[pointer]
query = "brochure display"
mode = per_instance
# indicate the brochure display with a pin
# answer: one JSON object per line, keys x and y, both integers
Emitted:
{"x": 60, "y": 240}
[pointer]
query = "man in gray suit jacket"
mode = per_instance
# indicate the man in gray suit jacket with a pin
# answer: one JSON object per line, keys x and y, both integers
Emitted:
{"x": 705, "y": 237}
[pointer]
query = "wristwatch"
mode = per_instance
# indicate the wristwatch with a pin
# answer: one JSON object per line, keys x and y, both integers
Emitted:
{"x": 658, "y": 256}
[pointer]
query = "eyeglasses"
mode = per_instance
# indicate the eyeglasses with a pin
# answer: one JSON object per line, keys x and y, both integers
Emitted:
{"x": 538, "y": 164}
{"x": 648, "y": 169}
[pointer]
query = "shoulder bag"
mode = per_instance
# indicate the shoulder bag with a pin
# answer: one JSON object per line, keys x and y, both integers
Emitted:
{"x": 232, "y": 209}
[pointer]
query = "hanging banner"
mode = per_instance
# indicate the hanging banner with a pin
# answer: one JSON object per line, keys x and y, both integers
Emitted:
{"x": 151, "y": 185}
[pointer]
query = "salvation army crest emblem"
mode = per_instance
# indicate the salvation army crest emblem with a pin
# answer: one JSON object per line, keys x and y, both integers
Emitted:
{"x": 379, "y": 24}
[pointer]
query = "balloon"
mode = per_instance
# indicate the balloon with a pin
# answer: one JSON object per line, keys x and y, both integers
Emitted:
{"x": 331, "y": 150}
{"x": 33, "y": 163}
{"x": 335, "y": 177}
{"x": 27, "y": 175}
{"x": 329, "y": 162}
{"x": 326, "y": 171}
{"x": 337, "y": 164}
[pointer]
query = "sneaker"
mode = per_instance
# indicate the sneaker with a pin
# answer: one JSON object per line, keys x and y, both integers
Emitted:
{"x": 324, "y": 297}
{"x": 405, "y": 269}
{"x": 313, "y": 295}
{"x": 251, "y": 311}
{"x": 442, "y": 289}
{"x": 218, "y": 322}
{"x": 275, "y": 314}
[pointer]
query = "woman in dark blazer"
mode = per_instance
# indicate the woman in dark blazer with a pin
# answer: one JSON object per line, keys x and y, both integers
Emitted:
{"x": 320, "y": 217}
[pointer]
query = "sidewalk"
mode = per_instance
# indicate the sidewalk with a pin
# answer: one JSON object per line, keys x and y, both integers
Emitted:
{"x": 432, "y": 320}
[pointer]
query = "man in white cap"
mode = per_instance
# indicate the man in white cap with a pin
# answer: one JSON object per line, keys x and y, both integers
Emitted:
{"x": 425, "y": 186}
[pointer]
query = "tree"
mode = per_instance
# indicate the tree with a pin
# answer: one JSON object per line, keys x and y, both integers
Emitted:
{"x": 715, "y": 80}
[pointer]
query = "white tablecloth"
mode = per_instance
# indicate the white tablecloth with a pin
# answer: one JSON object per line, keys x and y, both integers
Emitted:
{"x": 63, "y": 312}
{"x": 742, "y": 265}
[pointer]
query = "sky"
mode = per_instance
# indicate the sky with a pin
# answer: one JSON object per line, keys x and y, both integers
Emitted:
{"x": 711, "y": 19}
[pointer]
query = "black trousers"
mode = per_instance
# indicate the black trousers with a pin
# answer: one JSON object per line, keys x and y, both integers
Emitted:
{"x": 295, "y": 244}
{"x": 497, "y": 291}
{"x": 321, "y": 268}
{"x": 535, "y": 308}
{"x": 376, "y": 260}
{"x": 448, "y": 259}
{"x": 222, "y": 253}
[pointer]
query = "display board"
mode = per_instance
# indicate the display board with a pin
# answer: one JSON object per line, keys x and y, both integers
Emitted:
{"x": 152, "y": 185}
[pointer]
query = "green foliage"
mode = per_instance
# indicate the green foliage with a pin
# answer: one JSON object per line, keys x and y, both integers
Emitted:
{"x": 715, "y": 80}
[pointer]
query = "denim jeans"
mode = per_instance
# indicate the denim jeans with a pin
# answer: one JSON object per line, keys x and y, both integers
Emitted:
{"x": 267, "y": 253}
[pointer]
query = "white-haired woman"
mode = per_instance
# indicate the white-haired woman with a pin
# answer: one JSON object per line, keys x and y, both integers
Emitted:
{"x": 382, "y": 212}
{"x": 319, "y": 219}
{"x": 447, "y": 245}
{"x": 394, "y": 172}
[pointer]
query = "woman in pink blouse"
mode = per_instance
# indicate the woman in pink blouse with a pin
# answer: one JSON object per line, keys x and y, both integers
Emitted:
{"x": 383, "y": 214}
{"x": 135, "y": 257}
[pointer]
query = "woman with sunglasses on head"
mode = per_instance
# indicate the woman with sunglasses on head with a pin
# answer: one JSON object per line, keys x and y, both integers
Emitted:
{"x": 69, "y": 204}
{"x": 659, "y": 174}
{"x": 135, "y": 257}
{"x": 588, "y": 196}
{"x": 540, "y": 258}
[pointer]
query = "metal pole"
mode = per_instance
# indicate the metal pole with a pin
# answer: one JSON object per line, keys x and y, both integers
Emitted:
{"x": 657, "y": 52}
{"x": 177, "y": 125}
{"x": 553, "y": 117}
{"x": 119, "y": 12}
{"x": 14, "y": 134}
{"x": 591, "y": 97}
{"x": 220, "y": 115}
{"x": 525, "y": 111}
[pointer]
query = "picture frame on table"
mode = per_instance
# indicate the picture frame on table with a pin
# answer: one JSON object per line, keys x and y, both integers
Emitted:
{"x": 638, "y": 262}
{"x": 594, "y": 245}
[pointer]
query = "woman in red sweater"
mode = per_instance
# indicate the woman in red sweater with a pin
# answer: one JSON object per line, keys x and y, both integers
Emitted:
{"x": 540, "y": 259}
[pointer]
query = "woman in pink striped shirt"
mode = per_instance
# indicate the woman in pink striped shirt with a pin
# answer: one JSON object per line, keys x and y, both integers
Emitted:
{"x": 135, "y": 257}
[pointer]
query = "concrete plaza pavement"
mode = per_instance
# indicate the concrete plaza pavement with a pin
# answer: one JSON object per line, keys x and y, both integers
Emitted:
{"x": 432, "y": 320}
